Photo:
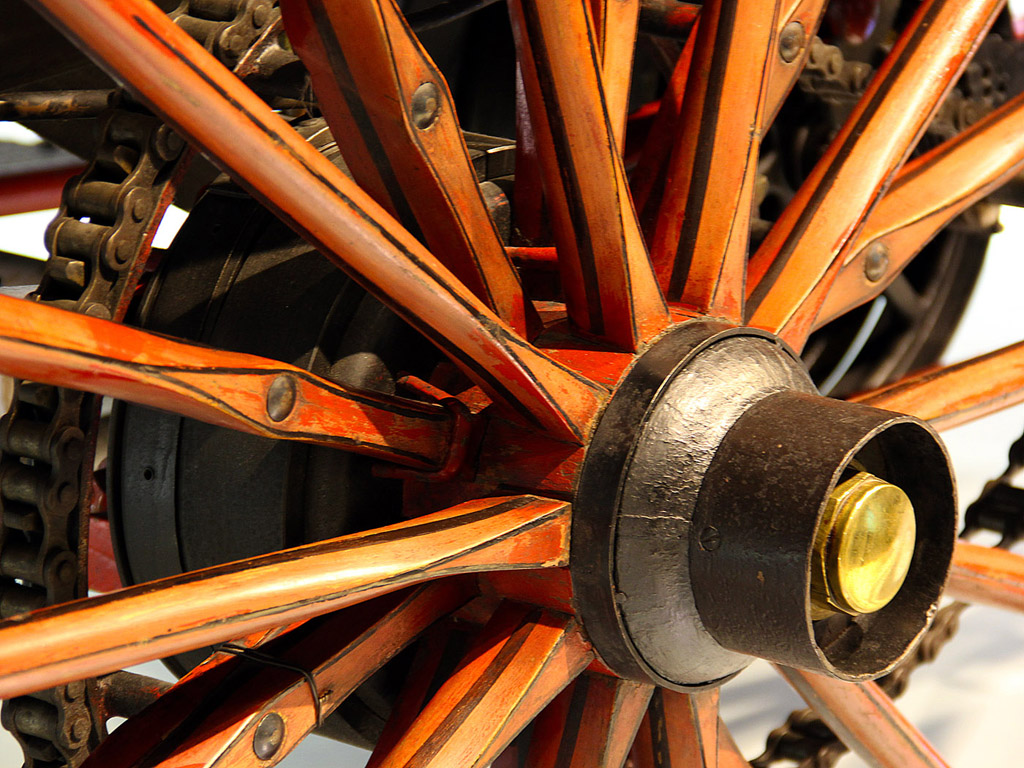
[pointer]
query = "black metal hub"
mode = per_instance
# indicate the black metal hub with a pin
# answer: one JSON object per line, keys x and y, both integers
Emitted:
{"x": 698, "y": 505}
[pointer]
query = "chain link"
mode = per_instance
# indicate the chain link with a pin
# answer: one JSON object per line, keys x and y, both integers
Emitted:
{"x": 99, "y": 245}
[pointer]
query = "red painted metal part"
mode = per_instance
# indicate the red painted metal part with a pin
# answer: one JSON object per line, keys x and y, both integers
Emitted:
{"x": 103, "y": 574}
{"x": 29, "y": 192}
{"x": 205, "y": 102}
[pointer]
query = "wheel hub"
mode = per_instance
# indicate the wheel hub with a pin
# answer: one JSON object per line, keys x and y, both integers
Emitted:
{"x": 727, "y": 511}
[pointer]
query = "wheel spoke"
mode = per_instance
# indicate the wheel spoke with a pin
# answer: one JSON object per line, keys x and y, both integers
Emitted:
{"x": 529, "y": 211}
{"x": 244, "y": 392}
{"x": 648, "y": 179}
{"x": 701, "y": 255}
{"x": 958, "y": 393}
{"x": 924, "y": 197}
{"x": 339, "y": 652}
{"x": 865, "y": 719}
{"x": 615, "y": 23}
{"x": 205, "y": 102}
{"x": 72, "y": 641}
{"x": 729, "y": 755}
{"x": 986, "y": 575}
{"x": 791, "y": 271}
{"x": 380, "y": 90}
{"x": 591, "y": 724}
{"x": 684, "y": 731}
{"x": 425, "y": 675}
{"x": 607, "y": 276}
{"x": 521, "y": 661}
{"x": 668, "y": 18}
{"x": 797, "y": 24}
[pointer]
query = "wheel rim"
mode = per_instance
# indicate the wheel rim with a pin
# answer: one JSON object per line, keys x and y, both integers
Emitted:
{"x": 546, "y": 397}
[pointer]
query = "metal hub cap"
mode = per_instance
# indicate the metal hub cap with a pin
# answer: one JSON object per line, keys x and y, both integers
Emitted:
{"x": 730, "y": 512}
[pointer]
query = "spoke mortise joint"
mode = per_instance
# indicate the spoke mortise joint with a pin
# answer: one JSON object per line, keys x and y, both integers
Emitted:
{"x": 458, "y": 443}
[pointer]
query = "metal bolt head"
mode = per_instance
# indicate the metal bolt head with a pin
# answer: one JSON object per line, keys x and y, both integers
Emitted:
{"x": 710, "y": 539}
{"x": 791, "y": 41}
{"x": 281, "y": 397}
{"x": 863, "y": 547}
{"x": 268, "y": 736}
{"x": 876, "y": 262}
{"x": 426, "y": 104}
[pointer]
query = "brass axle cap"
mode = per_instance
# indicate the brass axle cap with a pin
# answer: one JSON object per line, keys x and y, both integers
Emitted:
{"x": 863, "y": 547}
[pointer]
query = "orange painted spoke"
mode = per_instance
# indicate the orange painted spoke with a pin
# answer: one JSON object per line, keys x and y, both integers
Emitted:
{"x": 958, "y": 393}
{"x": 591, "y": 724}
{"x": 797, "y": 24}
{"x": 615, "y": 29}
{"x": 380, "y": 90}
{"x": 648, "y": 179}
{"x": 607, "y": 276}
{"x": 521, "y": 661}
{"x": 340, "y": 651}
{"x": 865, "y": 719}
{"x": 986, "y": 575}
{"x": 684, "y": 731}
{"x": 205, "y": 102}
{"x": 806, "y": 246}
{"x": 529, "y": 212}
{"x": 729, "y": 755}
{"x": 700, "y": 245}
{"x": 424, "y": 675}
{"x": 925, "y": 196}
{"x": 72, "y": 641}
{"x": 668, "y": 18}
{"x": 230, "y": 389}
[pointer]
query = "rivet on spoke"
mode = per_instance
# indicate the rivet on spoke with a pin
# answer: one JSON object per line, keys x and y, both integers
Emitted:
{"x": 876, "y": 262}
{"x": 281, "y": 397}
{"x": 791, "y": 41}
{"x": 426, "y": 104}
{"x": 268, "y": 737}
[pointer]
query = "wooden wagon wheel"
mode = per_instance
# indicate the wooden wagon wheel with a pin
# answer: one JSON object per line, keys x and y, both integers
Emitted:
{"x": 638, "y": 490}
